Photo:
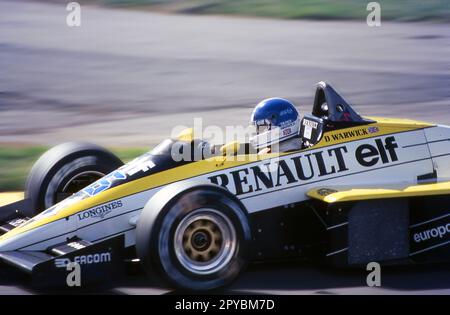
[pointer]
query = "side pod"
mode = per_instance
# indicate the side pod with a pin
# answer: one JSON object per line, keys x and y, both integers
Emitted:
{"x": 388, "y": 226}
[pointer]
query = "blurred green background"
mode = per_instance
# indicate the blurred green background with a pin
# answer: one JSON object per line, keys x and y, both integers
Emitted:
{"x": 16, "y": 162}
{"x": 400, "y": 10}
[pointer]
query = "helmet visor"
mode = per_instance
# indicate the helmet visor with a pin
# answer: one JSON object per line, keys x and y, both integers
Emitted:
{"x": 262, "y": 126}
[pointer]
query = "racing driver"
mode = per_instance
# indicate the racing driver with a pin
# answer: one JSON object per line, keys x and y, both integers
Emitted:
{"x": 277, "y": 126}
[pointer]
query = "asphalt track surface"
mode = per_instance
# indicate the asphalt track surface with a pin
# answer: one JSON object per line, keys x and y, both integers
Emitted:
{"x": 127, "y": 77}
{"x": 293, "y": 278}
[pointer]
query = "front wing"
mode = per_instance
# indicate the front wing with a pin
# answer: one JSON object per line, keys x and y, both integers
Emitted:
{"x": 97, "y": 262}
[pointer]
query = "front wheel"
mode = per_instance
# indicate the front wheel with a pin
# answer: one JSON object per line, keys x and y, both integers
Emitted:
{"x": 197, "y": 242}
{"x": 64, "y": 170}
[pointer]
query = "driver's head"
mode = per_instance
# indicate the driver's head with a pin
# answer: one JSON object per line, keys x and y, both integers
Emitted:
{"x": 276, "y": 120}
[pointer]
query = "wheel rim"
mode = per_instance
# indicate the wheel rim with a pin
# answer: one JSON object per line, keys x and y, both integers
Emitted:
{"x": 205, "y": 241}
{"x": 76, "y": 183}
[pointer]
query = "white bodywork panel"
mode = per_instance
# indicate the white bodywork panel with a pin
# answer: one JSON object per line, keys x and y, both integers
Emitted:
{"x": 438, "y": 139}
{"x": 396, "y": 159}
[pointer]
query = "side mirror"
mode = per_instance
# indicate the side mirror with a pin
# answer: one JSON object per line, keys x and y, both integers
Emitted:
{"x": 230, "y": 148}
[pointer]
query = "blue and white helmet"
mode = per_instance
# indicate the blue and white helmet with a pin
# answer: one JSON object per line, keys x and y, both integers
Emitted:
{"x": 276, "y": 120}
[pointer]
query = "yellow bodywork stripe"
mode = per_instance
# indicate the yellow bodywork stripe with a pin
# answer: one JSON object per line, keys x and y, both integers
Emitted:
{"x": 186, "y": 135}
{"x": 207, "y": 166}
{"x": 384, "y": 126}
{"x": 375, "y": 193}
{"x": 142, "y": 184}
{"x": 400, "y": 122}
{"x": 9, "y": 197}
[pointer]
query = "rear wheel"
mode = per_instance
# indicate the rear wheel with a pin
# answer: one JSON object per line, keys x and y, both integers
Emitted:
{"x": 197, "y": 242}
{"x": 65, "y": 170}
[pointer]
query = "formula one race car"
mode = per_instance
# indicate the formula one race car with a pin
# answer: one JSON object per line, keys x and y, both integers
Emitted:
{"x": 361, "y": 190}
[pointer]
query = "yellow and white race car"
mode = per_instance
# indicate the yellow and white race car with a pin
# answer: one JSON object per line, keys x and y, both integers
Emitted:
{"x": 361, "y": 190}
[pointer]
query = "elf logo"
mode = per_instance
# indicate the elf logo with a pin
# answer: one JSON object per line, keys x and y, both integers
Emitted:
{"x": 309, "y": 166}
{"x": 368, "y": 155}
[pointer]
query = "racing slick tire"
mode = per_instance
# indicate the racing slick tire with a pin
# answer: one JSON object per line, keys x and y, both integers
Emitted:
{"x": 65, "y": 169}
{"x": 197, "y": 241}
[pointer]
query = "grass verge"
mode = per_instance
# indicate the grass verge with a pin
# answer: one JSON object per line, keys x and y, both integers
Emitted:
{"x": 400, "y": 10}
{"x": 16, "y": 162}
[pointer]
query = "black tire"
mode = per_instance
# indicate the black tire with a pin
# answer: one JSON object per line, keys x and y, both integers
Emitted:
{"x": 157, "y": 235}
{"x": 65, "y": 169}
